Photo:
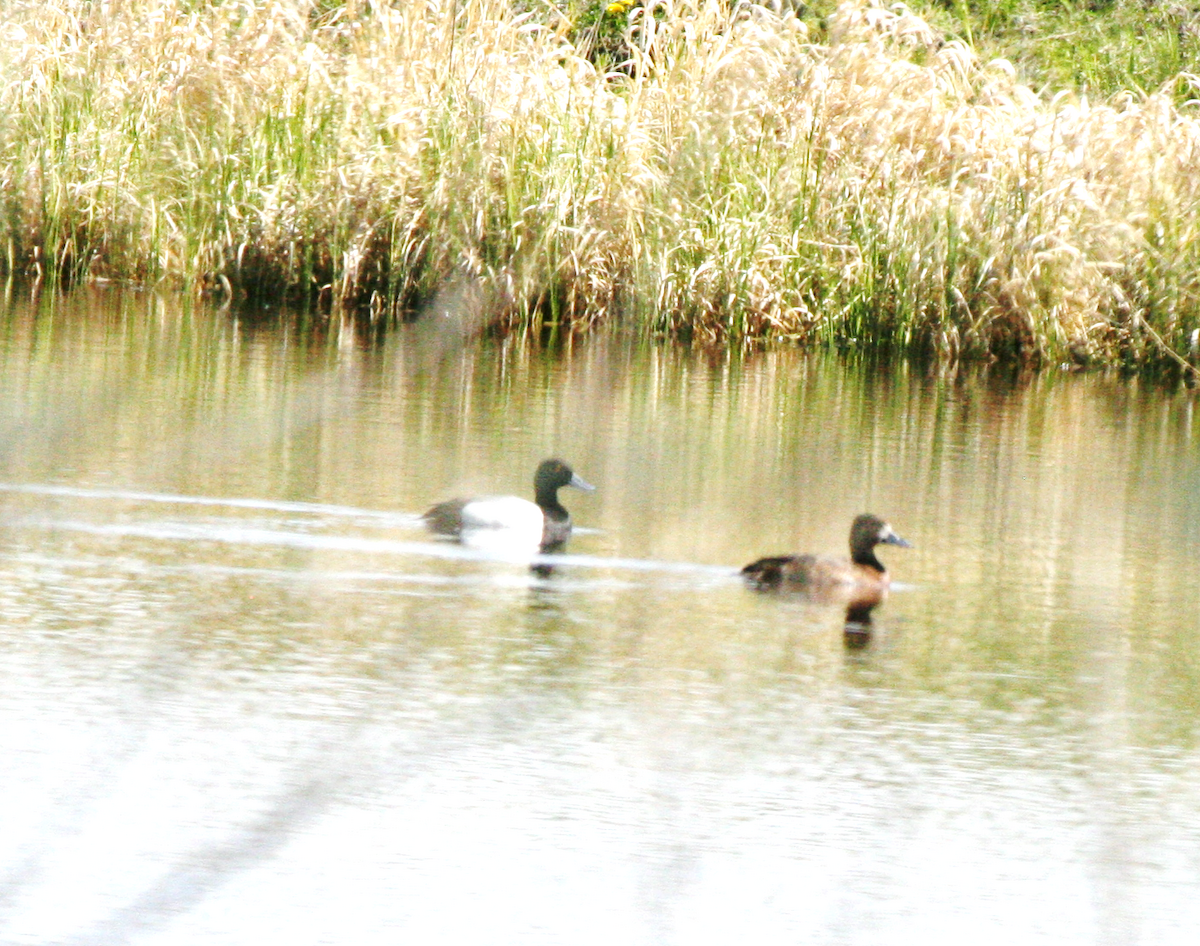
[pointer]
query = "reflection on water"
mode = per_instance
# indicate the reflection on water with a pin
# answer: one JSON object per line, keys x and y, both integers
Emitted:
{"x": 857, "y": 632}
{"x": 244, "y": 696}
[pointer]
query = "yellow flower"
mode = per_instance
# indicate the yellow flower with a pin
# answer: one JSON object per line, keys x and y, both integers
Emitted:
{"x": 619, "y": 6}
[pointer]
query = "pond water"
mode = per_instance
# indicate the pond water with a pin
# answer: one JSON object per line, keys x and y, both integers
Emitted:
{"x": 245, "y": 697}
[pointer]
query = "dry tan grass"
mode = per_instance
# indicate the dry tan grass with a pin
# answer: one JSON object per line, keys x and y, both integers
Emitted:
{"x": 735, "y": 182}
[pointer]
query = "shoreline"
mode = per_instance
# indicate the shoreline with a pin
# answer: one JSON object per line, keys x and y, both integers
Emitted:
{"x": 736, "y": 183}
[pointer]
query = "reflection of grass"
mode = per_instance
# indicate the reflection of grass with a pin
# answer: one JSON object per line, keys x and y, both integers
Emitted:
{"x": 849, "y": 177}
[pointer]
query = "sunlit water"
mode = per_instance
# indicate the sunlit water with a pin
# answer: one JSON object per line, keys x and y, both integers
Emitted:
{"x": 245, "y": 698}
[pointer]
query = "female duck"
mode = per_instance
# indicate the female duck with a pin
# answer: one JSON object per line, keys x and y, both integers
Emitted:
{"x": 544, "y": 523}
{"x": 861, "y": 577}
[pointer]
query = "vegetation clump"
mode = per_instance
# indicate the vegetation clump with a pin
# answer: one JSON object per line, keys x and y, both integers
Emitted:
{"x": 728, "y": 172}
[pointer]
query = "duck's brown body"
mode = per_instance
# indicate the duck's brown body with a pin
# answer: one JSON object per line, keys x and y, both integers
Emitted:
{"x": 862, "y": 576}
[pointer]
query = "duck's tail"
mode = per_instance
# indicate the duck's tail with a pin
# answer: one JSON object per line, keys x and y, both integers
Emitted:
{"x": 766, "y": 572}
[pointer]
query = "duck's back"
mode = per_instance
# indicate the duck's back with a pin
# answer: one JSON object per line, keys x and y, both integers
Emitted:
{"x": 776, "y": 570}
{"x": 446, "y": 518}
{"x": 805, "y": 571}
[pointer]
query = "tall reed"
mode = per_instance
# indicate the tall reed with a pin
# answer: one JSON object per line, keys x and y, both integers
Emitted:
{"x": 731, "y": 181}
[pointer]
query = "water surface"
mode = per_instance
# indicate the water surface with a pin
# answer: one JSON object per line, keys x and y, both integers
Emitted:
{"x": 244, "y": 697}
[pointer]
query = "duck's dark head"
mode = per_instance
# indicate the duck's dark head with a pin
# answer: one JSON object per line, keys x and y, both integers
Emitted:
{"x": 867, "y": 532}
{"x": 553, "y": 474}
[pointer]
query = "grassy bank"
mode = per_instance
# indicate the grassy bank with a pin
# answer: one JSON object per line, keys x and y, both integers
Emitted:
{"x": 744, "y": 175}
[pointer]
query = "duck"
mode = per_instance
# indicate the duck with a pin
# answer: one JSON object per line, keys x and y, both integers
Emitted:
{"x": 544, "y": 522}
{"x": 861, "y": 578}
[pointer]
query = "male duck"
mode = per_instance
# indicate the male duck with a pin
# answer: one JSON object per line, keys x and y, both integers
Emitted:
{"x": 863, "y": 576}
{"x": 544, "y": 522}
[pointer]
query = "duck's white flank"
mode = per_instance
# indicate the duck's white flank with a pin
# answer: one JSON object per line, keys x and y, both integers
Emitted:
{"x": 504, "y": 512}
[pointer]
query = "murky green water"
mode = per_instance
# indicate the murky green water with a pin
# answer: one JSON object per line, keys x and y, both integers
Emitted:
{"x": 245, "y": 698}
